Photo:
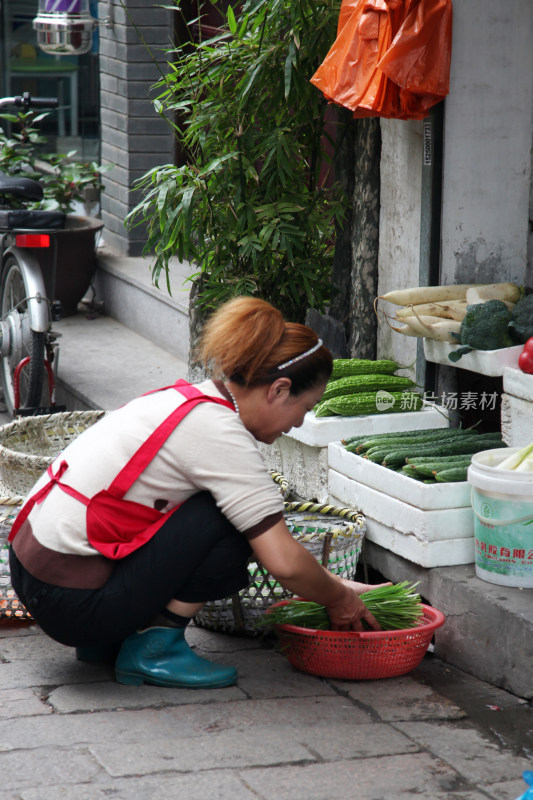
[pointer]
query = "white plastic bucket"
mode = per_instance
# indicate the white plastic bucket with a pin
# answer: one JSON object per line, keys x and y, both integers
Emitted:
{"x": 502, "y": 501}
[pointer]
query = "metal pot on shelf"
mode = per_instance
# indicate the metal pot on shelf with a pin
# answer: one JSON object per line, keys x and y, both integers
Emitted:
{"x": 64, "y": 27}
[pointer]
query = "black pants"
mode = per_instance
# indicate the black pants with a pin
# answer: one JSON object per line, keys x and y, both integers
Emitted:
{"x": 197, "y": 555}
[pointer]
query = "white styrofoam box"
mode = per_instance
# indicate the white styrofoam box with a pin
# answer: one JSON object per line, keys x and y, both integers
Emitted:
{"x": 394, "y": 484}
{"x": 302, "y": 454}
{"x": 484, "y": 362}
{"x": 517, "y": 407}
{"x": 427, "y": 526}
{"x": 518, "y": 383}
{"x": 516, "y": 420}
{"x": 444, "y": 553}
{"x": 320, "y": 432}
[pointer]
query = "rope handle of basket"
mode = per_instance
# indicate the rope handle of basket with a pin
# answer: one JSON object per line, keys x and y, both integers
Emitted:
{"x": 8, "y": 513}
{"x": 8, "y": 500}
{"x": 351, "y": 514}
{"x": 281, "y": 480}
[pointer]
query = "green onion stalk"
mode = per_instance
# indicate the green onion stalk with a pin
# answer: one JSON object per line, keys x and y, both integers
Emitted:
{"x": 395, "y": 607}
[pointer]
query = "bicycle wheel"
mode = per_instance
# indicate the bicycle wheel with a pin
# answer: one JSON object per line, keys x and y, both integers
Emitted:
{"x": 19, "y": 341}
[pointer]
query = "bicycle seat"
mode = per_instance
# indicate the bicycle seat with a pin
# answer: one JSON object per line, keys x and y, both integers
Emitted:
{"x": 24, "y": 219}
{"x": 23, "y": 188}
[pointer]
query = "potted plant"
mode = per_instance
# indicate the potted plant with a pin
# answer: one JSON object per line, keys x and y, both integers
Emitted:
{"x": 65, "y": 181}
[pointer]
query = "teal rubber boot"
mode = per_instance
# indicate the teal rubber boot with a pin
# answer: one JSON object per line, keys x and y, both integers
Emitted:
{"x": 162, "y": 657}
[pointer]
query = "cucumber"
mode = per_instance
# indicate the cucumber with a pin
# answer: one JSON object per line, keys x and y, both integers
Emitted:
{"x": 428, "y": 470}
{"x": 389, "y": 434}
{"x": 353, "y": 440}
{"x": 411, "y": 473}
{"x": 450, "y": 436}
{"x": 473, "y": 444}
{"x": 378, "y": 437}
{"x": 454, "y": 474}
{"x": 396, "y": 456}
{"x": 413, "y": 437}
{"x": 415, "y": 461}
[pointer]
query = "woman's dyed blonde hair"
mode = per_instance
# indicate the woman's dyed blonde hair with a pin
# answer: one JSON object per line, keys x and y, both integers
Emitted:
{"x": 246, "y": 339}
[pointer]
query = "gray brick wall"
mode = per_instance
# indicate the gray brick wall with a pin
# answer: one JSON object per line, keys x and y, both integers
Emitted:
{"x": 134, "y": 138}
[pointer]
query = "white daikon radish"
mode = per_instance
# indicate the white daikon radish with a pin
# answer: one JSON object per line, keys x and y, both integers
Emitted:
{"x": 454, "y": 309}
{"x": 508, "y": 292}
{"x": 427, "y": 294}
{"x": 406, "y": 330}
{"x": 434, "y": 327}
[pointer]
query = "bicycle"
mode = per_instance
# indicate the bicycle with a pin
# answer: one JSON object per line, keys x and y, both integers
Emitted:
{"x": 28, "y": 345}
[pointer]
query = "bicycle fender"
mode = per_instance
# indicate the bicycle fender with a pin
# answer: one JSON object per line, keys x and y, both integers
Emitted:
{"x": 38, "y": 305}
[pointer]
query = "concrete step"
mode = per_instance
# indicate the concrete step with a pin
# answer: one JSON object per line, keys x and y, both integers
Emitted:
{"x": 103, "y": 364}
{"x": 125, "y": 286}
{"x": 139, "y": 341}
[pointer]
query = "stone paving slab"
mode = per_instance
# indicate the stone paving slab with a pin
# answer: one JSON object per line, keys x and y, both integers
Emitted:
{"x": 297, "y": 712}
{"x": 228, "y": 749}
{"x": 267, "y": 674}
{"x": 400, "y": 699}
{"x": 508, "y": 790}
{"x": 372, "y": 779}
{"x": 469, "y": 752}
{"x": 69, "y": 731}
{"x": 46, "y": 766}
{"x": 101, "y": 696}
{"x": 213, "y": 785}
{"x": 21, "y": 702}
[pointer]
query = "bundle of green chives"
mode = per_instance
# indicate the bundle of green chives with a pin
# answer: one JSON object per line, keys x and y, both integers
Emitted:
{"x": 395, "y": 607}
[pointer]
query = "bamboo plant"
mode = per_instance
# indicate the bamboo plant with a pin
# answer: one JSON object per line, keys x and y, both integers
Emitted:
{"x": 250, "y": 203}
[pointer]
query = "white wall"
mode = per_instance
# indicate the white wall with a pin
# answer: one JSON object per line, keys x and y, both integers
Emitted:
{"x": 399, "y": 228}
{"x": 487, "y": 196}
{"x": 487, "y": 142}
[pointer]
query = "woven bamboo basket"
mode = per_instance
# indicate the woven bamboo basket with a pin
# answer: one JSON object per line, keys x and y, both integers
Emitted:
{"x": 10, "y": 605}
{"x": 333, "y": 535}
{"x": 30, "y": 444}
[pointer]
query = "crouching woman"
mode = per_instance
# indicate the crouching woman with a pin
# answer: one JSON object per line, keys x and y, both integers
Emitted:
{"x": 156, "y": 509}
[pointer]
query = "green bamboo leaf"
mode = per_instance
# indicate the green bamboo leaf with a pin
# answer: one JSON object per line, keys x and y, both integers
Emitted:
{"x": 244, "y": 26}
{"x": 232, "y": 23}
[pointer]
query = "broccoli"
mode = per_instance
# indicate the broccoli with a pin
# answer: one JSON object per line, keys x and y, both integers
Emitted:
{"x": 485, "y": 326}
{"x": 521, "y": 325}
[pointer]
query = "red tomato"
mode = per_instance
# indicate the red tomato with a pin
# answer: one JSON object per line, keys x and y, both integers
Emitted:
{"x": 528, "y": 347}
{"x": 525, "y": 359}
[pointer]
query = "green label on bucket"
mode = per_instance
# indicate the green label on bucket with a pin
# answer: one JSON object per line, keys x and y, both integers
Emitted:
{"x": 503, "y": 531}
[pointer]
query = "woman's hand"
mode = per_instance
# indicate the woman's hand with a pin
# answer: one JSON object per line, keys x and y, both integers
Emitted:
{"x": 348, "y": 612}
{"x": 299, "y": 571}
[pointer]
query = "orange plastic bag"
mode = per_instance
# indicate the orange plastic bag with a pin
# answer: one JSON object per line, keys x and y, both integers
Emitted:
{"x": 391, "y": 58}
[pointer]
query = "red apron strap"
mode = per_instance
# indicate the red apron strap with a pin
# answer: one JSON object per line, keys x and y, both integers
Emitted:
{"x": 178, "y": 386}
{"x": 137, "y": 463}
{"x": 148, "y": 450}
{"x": 39, "y": 496}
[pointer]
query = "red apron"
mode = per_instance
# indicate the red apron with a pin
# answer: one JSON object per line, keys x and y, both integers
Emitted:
{"x": 116, "y": 527}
